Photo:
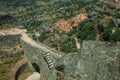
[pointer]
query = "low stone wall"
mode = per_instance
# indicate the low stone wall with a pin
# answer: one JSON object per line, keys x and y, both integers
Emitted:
{"x": 8, "y": 41}
{"x": 10, "y": 45}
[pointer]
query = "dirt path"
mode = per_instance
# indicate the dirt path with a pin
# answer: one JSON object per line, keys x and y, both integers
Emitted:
{"x": 77, "y": 43}
{"x": 12, "y": 31}
{"x": 97, "y": 37}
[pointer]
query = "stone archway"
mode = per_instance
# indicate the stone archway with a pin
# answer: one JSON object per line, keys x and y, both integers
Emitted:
{"x": 17, "y": 70}
{"x": 20, "y": 70}
{"x": 36, "y": 67}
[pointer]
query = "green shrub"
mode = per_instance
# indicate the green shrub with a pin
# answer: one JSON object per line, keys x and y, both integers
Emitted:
{"x": 115, "y": 36}
{"x": 87, "y": 31}
{"x": 11, "y": 60}
{"x": 106, "y": 34}
{"x": 69, "y": 46}
{"x": 100, "y": 28}
{"x": 42, "y": 37}
{"x": 72, "y": 32}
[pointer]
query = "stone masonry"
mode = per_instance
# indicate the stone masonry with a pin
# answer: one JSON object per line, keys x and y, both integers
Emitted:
{"x": 94, "y": 61}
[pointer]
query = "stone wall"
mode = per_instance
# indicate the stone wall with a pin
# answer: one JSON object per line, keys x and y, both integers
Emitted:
{"x": 8, "y": 41}
{"x": 10, "y": 45}
{"x": 40, "y": 58}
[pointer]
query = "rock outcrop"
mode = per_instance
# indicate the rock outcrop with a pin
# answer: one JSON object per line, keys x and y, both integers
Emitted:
{"x": 95, "y": 61}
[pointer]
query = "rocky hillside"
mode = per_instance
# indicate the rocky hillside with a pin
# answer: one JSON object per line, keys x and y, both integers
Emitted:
{"x": 62, "y": 25}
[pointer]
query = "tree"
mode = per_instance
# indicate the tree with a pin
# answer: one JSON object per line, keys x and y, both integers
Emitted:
{"x": 69, "y": 46}
{"x": 87, "y": 31}
{"x": 106, "y": 34}
{"x": 100, "y": 28}
{"x": 115, "y": 36}
{"x": 72, "y": 32}
{"x": 42, "y": 37}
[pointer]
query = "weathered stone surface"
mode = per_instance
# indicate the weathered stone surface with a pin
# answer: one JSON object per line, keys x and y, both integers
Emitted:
{"x": 95, "y": 61}
{"x": 40, "y": 58}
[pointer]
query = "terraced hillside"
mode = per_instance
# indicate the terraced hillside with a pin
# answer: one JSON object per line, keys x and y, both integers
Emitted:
{"x": 42, "y": 17}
